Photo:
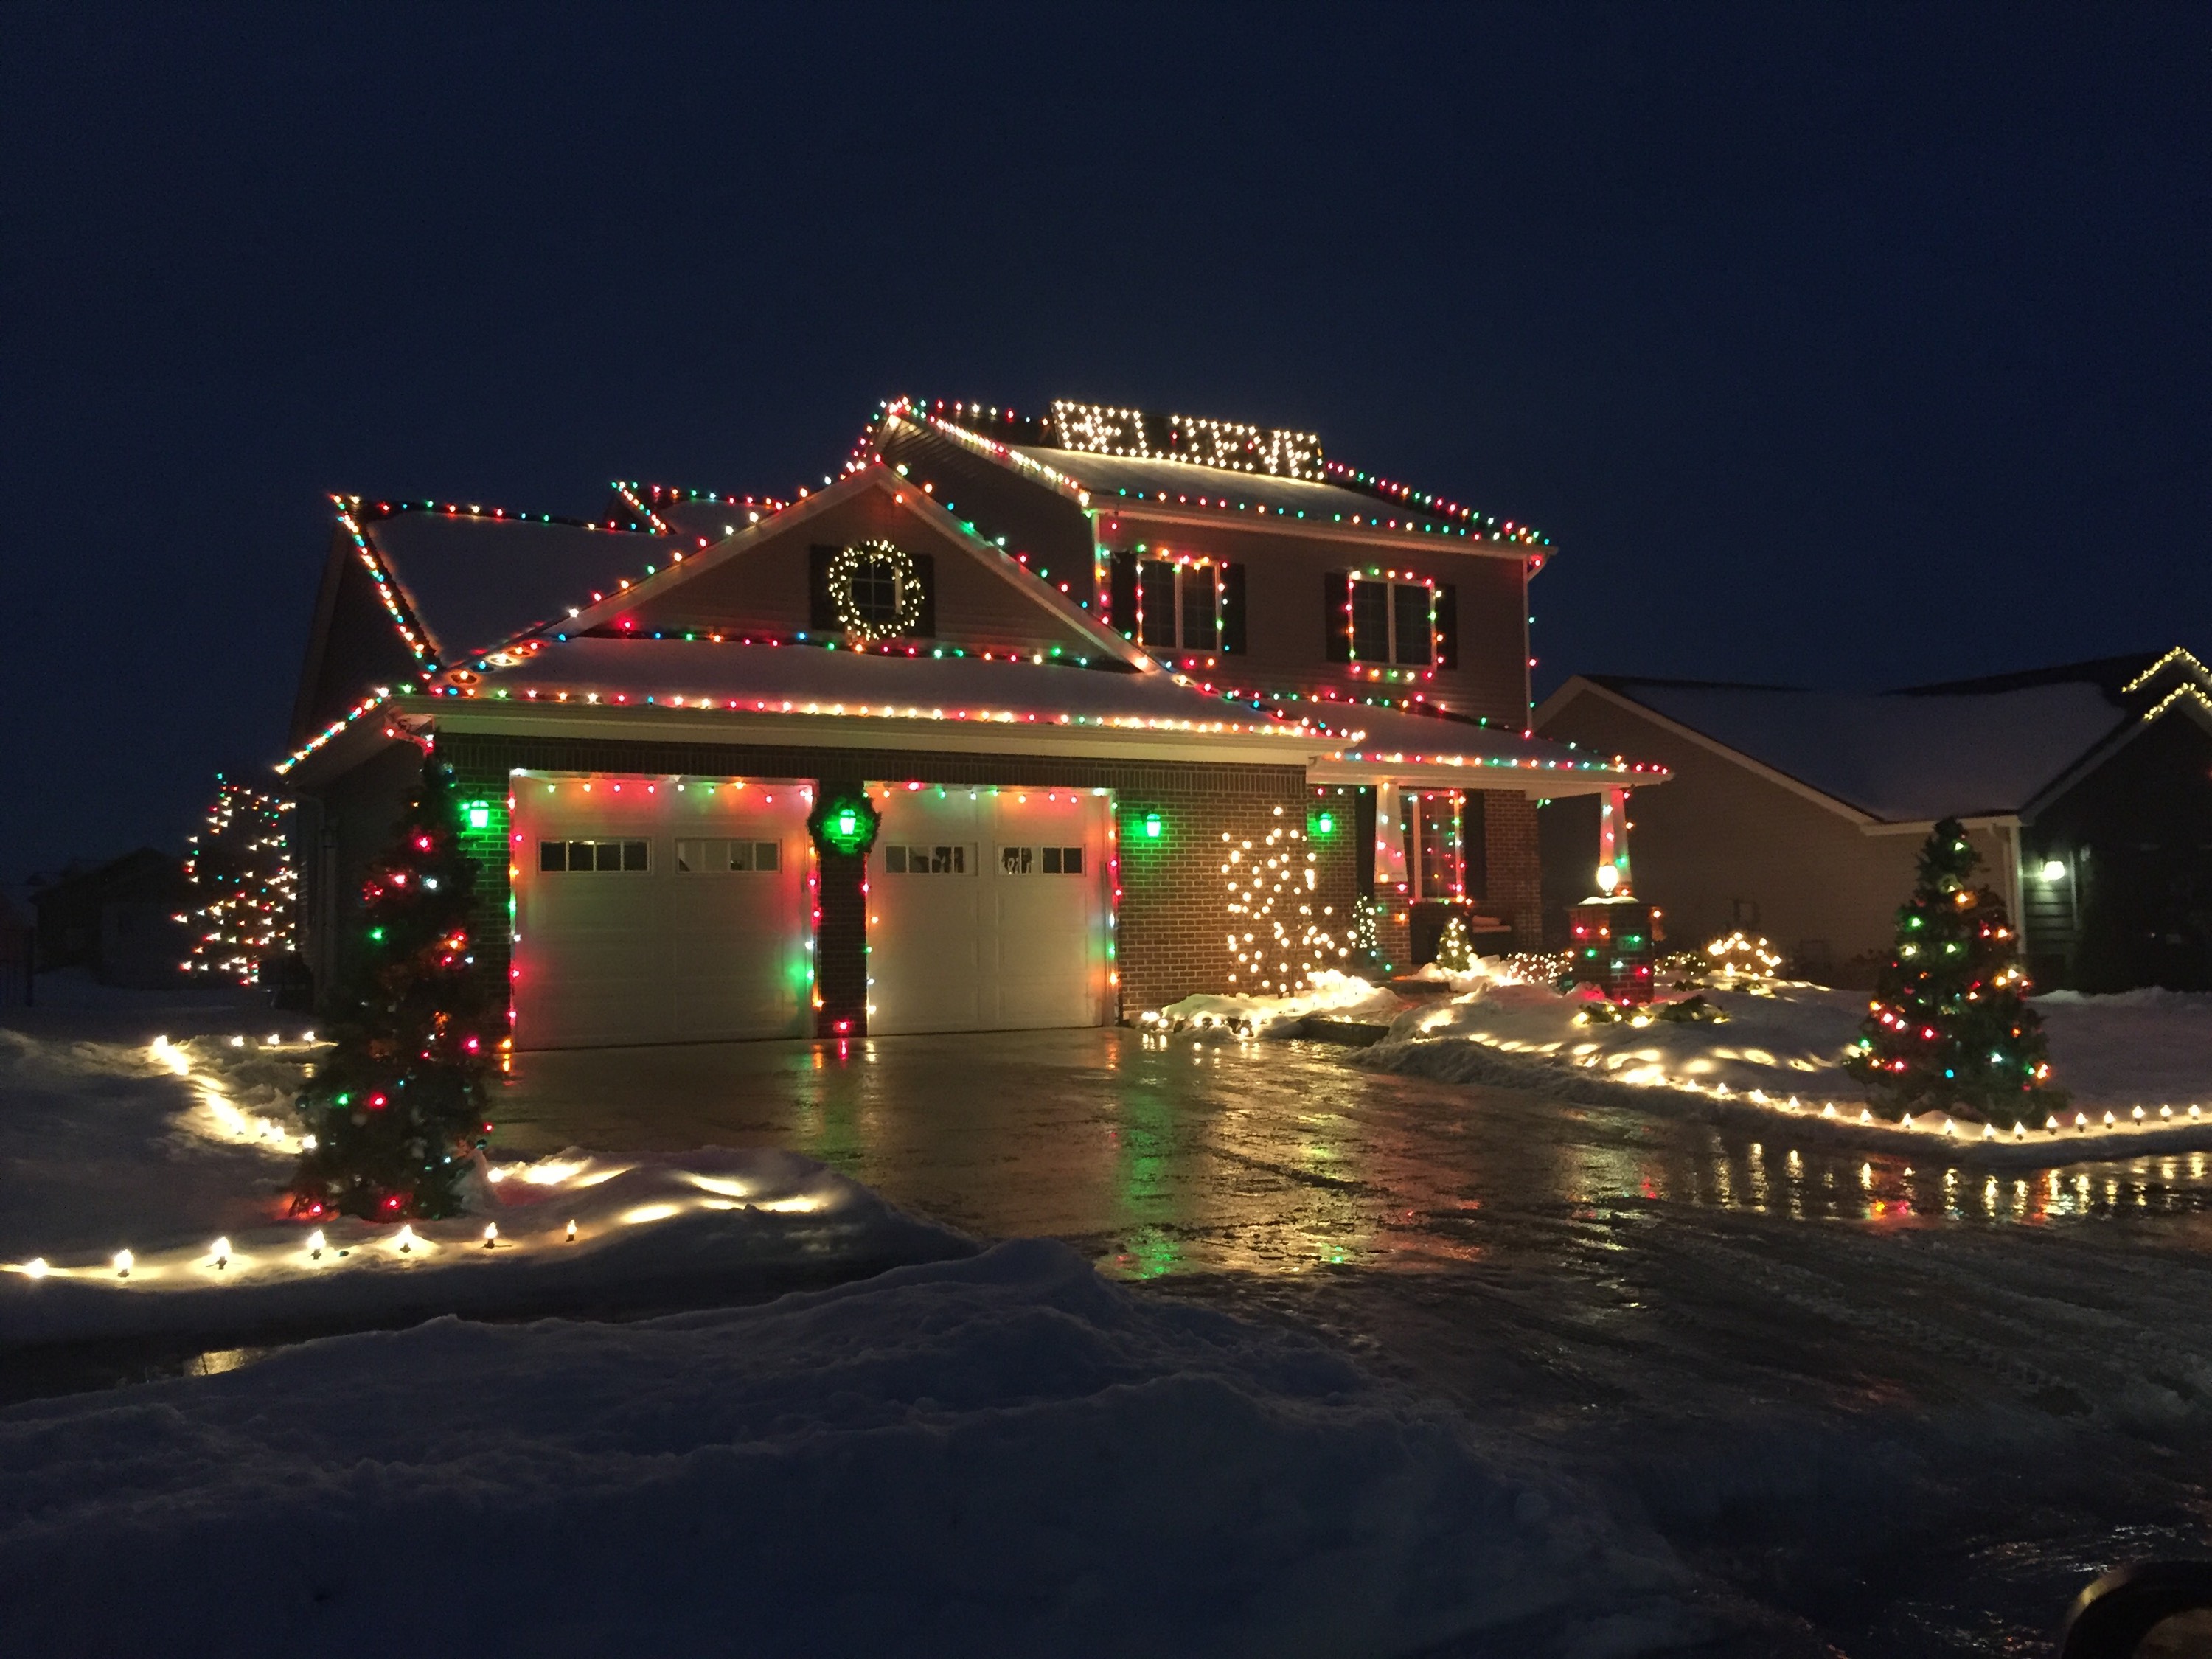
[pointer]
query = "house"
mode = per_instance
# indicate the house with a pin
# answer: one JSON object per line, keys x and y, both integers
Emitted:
{"x": 2086, "y": 788}
{"x": 1134, "y": 706}
{"x": 119, "y": 918}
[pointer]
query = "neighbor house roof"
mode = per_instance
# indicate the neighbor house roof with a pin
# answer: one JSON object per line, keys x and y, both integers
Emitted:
{"x": 1982, "y": 748}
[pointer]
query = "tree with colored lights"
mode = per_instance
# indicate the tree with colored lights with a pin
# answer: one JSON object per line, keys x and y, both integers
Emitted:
{"x": 1455, "y": 951}
{"x": 241, "y": 873}
{"x": 1949, "y": 1025}
{"x": 393, "y": 1110}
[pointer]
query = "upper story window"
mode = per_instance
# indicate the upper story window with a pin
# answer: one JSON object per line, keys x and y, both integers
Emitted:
{"x": 872, "y": 590}
{"x": 1401, "y": 621}
{"x": 1172, "y": 603}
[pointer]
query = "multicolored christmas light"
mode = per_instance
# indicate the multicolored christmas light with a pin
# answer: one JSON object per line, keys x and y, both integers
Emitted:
{"x": 240, "y": 869}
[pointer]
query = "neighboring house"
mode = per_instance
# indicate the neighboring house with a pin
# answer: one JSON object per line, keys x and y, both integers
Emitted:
{"x": 2088, "y": 789}
{"x": 119, "y": 918}
{"x": 1126, "y": 690}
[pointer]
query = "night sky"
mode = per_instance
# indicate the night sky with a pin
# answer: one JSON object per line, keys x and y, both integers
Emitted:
{"x": 1847, "y": 349}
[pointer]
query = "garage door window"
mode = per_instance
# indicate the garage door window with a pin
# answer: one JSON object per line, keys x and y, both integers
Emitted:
{"x": 1041, "y": 861}
{"x": 622, "y": 857}
{"x": 720, "y": 857}
{"x": 952, "y": 860}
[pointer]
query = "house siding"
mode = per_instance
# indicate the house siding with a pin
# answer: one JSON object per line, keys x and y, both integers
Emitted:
{"x": 1719, "y": 846}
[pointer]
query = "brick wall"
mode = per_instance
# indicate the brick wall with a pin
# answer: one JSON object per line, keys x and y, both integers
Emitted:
{"x": 1513, "y": 868}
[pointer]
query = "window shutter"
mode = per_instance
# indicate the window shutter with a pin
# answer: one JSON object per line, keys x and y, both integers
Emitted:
{"x": 1447, "y": 626}
{"x": 1121, "y": 593}
{"x": 1232, "y": 610}
{"x": 1335, "y": 600}
{"x": 821, "y": 606}
{"x": 925, "y": 570}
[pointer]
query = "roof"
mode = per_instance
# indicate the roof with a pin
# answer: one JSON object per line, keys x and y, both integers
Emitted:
{"x": 914, "y": 702}
{"x": 475, "y": 578}
{"x": 1980, "y": 748}
{"x": 1032, "y": 449}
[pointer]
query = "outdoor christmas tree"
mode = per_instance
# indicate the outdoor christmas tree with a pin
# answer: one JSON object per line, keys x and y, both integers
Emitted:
{"x": 1455, "y": 951}
{"x": 241, "y": 873}
{"x": 1949, "y": 1025}
{"x": 394, "y": 1108}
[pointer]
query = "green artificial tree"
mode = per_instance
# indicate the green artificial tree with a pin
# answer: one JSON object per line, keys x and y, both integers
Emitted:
{"x": 1949, "y": 1025}
{"x": 1455, "y": 951}
{"x": 392, "y": 1111}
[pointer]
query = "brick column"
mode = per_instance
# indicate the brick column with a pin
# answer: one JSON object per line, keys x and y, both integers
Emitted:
{"x": 840, "y": 944}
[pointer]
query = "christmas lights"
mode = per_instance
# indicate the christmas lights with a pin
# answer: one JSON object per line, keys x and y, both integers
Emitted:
{"x": 877, "y": 590}
{"x": 240, "y": 866}
{"x": 1276, "y": 934}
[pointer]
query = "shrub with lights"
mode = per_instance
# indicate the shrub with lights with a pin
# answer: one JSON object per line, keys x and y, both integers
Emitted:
{"x": 1455, "y": 951}
{"x": 393, "y": 1112}
{"x": 1949, "y": 1025}
{"x": 242, "y": 880}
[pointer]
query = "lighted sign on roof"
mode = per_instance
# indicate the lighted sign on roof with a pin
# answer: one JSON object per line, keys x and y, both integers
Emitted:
{"x": 1100, "y": 430}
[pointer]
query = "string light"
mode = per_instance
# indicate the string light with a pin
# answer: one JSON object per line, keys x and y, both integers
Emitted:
{"x": 241, "y": 866}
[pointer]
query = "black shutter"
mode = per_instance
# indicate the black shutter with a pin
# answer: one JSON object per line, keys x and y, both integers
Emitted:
{"x": 1232, "y": 610}
{"x": 925, "y": 570}
{"x": 821, "y": 606}
{"x": 1474, "y": 845}
{"x": 1121, "y": 593}
{"x": 1447, "y": 626}
{"x": 1335, "y": 601}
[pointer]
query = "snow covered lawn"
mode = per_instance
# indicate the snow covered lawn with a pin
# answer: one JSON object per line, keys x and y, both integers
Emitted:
{"x": 168, "y": 1150}
{"x": 1002, "y": 1454}
{"x": 2138, "y": 1065}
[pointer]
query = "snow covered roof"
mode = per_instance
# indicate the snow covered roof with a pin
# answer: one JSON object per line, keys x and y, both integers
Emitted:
{"x": 1970, "y": 749}
{"x": 475, "y": 579}
{"x": 921, "y": 695}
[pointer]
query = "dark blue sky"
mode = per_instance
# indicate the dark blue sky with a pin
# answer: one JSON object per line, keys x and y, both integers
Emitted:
{"x": 1846, "y": 349}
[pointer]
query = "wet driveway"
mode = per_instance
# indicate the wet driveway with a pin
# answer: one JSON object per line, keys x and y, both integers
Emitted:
{"x": 1899, "y": 1410}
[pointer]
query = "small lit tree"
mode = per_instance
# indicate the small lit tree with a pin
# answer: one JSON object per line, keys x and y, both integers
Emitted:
{"x": 393, "y": 1110}
{"x": 241, "y": 874}
{"x": 1949, "y": 1025}
{"x": 1455, "y": 951}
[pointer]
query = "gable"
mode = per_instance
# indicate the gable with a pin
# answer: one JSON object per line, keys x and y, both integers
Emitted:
{"x": 354, "y": 647}
{"x": 762, "y": 582}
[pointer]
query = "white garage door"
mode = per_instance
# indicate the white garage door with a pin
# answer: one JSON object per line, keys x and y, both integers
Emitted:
{"x": 658, "y": 910}
{"x": 990, "y": 911}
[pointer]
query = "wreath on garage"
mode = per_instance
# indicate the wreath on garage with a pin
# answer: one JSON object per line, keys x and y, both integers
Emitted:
{"x": 876, "y": 589}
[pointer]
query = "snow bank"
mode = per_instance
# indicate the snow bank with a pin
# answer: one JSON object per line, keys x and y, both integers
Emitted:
{"x": 2138, "y": 1065}
{"x": 1004, "y": 1455}
{"x": 1340, "y": 996}
{"x": 170, "y": 1147}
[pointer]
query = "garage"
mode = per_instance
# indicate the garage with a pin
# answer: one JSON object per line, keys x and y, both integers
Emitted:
{"x": 990, "y": 910}
{"x": 658, "y": 910}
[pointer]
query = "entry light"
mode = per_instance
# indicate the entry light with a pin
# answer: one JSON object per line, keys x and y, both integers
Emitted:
{"x": 1152, "y": 826}
{"x": 1325, "y": 824}
{"x": 2054, "y": 869}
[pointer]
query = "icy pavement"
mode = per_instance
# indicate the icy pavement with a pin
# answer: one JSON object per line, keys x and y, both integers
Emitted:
{"x": 1908, "y": 1406}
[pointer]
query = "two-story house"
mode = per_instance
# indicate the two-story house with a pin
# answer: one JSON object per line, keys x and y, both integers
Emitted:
{"x": 1020, "y": 722}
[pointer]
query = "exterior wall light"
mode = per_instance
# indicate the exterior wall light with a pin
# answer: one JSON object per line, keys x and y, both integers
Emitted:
{"x": 2054, "y": 869}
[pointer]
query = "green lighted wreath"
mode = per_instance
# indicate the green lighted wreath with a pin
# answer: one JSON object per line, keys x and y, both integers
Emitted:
{"x": 893, "y": 607}
{"x": 844, "y": 821}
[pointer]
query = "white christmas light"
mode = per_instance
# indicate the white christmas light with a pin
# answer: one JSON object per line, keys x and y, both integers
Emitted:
{"x": 221, "y": 1251}
{"x": 315, "y": 1244}
{"x": 122, "y": 1260}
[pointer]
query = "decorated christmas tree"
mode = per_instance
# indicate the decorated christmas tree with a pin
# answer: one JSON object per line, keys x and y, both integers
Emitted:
{"x": 241, "y": 875}
{"x": 393, "y": 1110}
{"x": 1455, "y": 951}
{"x": 1949, "y": 1025}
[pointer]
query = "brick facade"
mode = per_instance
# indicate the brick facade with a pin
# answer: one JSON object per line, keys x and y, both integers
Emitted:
{"x": 1513, "y": 866}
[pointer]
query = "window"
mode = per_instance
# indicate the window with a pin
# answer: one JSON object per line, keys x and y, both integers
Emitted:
{"x": 717, "y": 856}
{"x": 951, "y": 860}
{"x": 1178, "y": 605}
{"x": 627, "y": 857}
{"x": 1394, "y": 623}
{"x": 874, "y": 593}
{"x": 1041, "y": 861}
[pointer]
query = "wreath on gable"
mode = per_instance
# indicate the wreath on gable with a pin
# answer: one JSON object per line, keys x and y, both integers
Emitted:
{"x": 876, "y": 589}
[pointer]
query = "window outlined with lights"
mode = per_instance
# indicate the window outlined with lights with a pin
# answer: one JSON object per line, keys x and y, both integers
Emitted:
{"x": 1391, "y": 620}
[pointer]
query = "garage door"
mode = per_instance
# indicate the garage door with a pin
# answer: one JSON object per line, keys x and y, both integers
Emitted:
{"x": 658, "y": 910}
{"x": 990, "y": 911}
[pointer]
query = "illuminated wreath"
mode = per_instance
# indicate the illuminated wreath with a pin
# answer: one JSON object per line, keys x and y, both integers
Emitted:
{"x": 848, "y": 563}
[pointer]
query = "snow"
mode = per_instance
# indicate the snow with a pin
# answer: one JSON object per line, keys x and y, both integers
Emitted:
{"x": 1001, "y": 1454}
{"x": 1903, "y": 757}
{"x": 163, "y": 1149}
{"x": 1779, "y": 1053}
{"x": 1330, "y": 994}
